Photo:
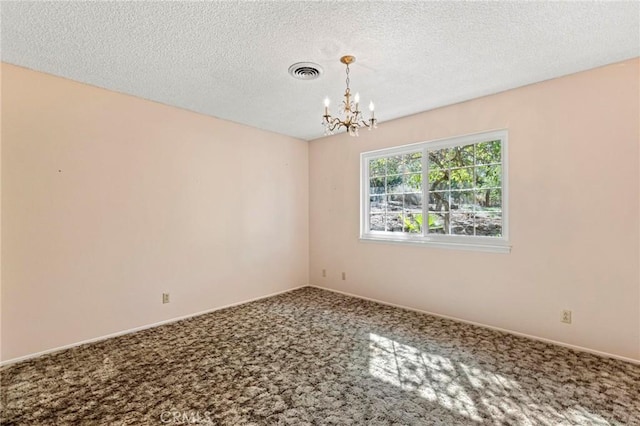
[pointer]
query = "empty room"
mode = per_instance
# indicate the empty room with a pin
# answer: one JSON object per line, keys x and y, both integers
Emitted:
{"x": 320, "y": 213}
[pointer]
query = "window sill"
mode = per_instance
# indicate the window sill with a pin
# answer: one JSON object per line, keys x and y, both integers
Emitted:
{"x": 490, "y": 246}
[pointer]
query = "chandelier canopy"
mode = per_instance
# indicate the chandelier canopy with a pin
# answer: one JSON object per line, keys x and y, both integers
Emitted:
{"x": 352, "y": 118}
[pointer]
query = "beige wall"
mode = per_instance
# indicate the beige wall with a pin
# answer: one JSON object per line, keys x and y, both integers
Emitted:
{"x": 109, "y": 201}
{"x": 574, "y": 215}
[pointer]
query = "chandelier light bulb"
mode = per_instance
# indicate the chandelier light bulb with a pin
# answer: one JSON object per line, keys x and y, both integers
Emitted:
{"x": 371, "y": 106}
{"x": 326, "y": 102}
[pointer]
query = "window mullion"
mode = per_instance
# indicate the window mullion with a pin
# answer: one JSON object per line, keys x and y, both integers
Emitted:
{"x": 425, "y": 192}
{"x": 366, "y": 214}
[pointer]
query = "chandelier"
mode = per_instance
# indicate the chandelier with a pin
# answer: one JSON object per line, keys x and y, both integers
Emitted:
{"x": 350, "y": 110}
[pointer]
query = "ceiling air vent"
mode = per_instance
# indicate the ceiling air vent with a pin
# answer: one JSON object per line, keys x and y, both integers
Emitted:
{"x": 305, "y": 70}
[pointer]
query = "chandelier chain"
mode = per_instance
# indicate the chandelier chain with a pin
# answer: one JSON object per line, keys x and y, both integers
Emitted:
{"x": 347, "y": 80}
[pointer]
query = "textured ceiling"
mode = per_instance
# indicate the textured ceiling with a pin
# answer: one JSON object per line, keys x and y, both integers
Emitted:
{"x": 230, "y": 59}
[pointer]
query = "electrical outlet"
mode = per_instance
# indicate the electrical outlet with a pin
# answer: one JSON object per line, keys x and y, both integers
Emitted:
{"x": 344, "y": 276}
{"x": 165, "y": 297}
{"x": 324, "y": 273}
{"x": 566, "y": 316}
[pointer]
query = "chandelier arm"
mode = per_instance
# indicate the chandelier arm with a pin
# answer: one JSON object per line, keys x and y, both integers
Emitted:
{"x": 332, "y": 122}
{"x": 336, "y": 124}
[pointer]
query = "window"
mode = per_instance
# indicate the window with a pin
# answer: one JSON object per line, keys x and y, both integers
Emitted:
{"x": 449, "y": 193}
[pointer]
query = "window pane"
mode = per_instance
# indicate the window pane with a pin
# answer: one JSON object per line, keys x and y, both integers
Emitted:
{"x": 413, "y": 182}
{"x": 394, "y": 184}
{"x": 413, "y": 213}
{"x": 395, "y": 203}
{"x": 489, "y": 223}
{"x": 490, "y": 199}
{"x": 461, "y": 178}
{"x": 376, "y": 222}
{"x": 439, "y": 223}
{"x": 438, "y": 159}
{"x": 462, "y": 200}
{"x": 462, "y": 222}
{"x": 489, "y": 176}
{"x": 488, "y": 152}
{"x": 413, "y": 203}
{"x": 438, "y": 179}
{"x": 377, "y": 203}
{"x": 395, "y": 222}
{"x": 439, "y": 201}
{"x": 377, "y": 206}
{"x": 393, "y": 165}
{"x": 461, "y": 156}
{"x": 377, "y": 167}
{"x": 413, "y": 162}
{"x": 413, "y": 223}
{"x": 376, "y": 186}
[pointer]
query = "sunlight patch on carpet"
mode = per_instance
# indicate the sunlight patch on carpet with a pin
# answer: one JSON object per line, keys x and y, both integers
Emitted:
{"x": 431, "y": 376}
{"x": 453, "y": 385}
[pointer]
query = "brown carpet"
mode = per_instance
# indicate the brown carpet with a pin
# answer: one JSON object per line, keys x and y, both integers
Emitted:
{"x": 315, "y": 357}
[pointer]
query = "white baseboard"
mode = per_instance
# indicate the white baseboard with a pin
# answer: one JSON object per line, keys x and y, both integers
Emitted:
{"x": 504, "y": 330}
{"x": 144, "y": 327}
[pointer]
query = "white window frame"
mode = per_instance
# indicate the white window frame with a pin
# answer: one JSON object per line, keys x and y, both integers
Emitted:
{"x": 465, "y": 242}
